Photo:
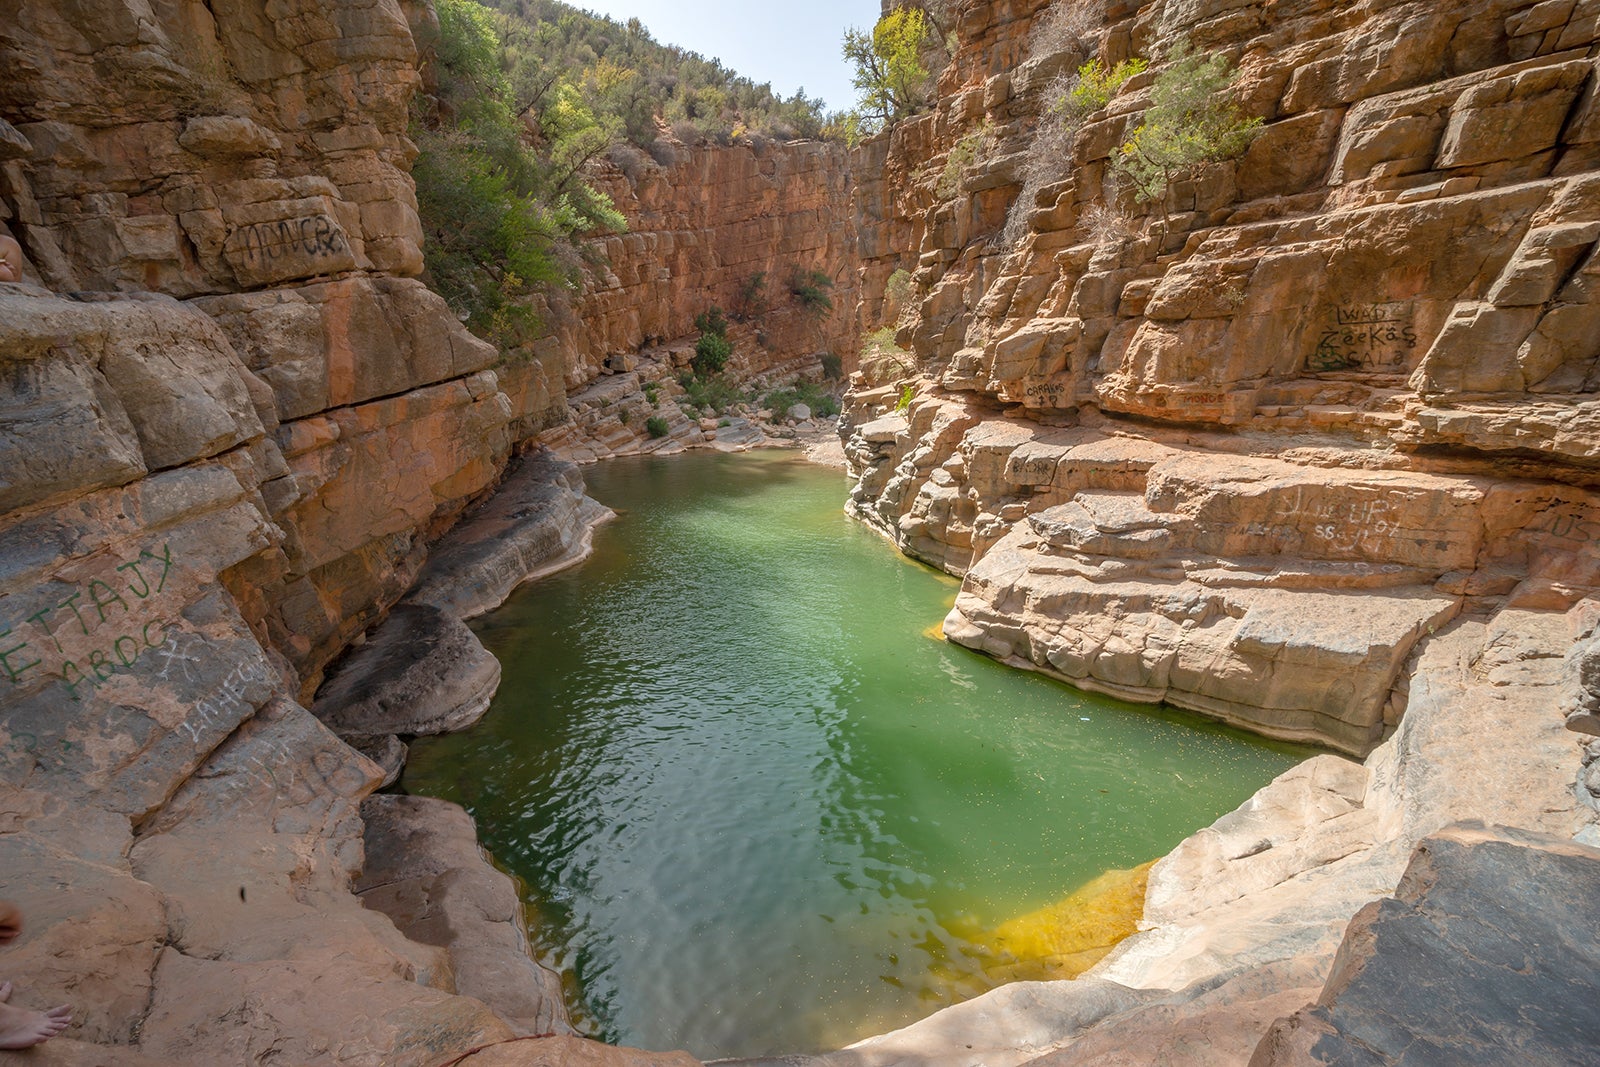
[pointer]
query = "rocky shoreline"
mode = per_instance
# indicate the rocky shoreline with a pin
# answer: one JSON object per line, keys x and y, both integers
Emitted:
{"x": 1308, "y": 445}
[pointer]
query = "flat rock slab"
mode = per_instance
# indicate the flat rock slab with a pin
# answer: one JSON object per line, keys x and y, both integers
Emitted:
{"x": 65, "y": 1052}
{"x": 1210, "y": 1023}
{"x": 571, "y": 1052}
{"x": 1486, "y": 955}
{"x": 421, "y": 672}
{"x": 1011, "y": 1025}
{"x": 537, "y": 522}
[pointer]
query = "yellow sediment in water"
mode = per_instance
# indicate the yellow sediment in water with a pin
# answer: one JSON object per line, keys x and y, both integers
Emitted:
{"x": 1064, "y": 939}
{"x": 936, "y": 631}
{"x": 1058, "y": 941}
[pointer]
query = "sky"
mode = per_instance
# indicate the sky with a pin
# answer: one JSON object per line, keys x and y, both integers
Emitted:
{"x": 793, "y": 44}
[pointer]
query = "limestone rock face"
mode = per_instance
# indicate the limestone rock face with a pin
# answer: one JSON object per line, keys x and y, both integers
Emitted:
{"x": 232, "y": 424}
{"x": 1346, "y": 368}
{"x": 1402, "y": 257}
{"x": 1479, "y": 910}
{"x": 1266, "y": 588}
{"x": 1308, "y": 446}
{"x": 221, "y": 147}
{"x": 730, "y": 226}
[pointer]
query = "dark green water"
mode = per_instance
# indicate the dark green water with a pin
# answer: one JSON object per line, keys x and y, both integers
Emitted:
{"x": 756, "y": 807}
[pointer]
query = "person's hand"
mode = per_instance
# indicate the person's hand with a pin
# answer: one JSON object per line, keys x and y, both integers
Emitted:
{"x": 10, "y": 922}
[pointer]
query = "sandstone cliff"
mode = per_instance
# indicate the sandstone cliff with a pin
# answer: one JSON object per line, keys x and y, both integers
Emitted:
{"x": 702, "y": 227}
{"x": 1310, "y": 447}
{"x": 234, "y": 424}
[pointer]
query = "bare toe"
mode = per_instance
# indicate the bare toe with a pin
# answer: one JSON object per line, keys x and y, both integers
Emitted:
{"x": 24, "y": 1029}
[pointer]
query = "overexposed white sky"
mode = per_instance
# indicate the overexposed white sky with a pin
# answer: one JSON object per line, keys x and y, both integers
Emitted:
{"x": 791, "y": 45}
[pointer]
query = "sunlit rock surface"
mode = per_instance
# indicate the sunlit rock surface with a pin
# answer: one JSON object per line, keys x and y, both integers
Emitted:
{"x": 1310, "y": 448}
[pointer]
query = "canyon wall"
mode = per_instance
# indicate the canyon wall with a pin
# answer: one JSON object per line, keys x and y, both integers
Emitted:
{"x": 1356, "y": 365}
{"x": 1311, "y": 446}
{"x": 234, "y": 419}
{"x": 704, "y": 226}
{"x": 236, "y": 423}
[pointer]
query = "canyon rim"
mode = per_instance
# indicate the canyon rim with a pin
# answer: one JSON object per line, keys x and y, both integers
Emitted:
{"x": 1310, "y": 444}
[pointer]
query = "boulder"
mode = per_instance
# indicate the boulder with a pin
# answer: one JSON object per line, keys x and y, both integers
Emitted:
{"x": 422, "y": 671}
{"x": 425, "y": 871}
{"x": 538, "y": 521}
{"x": 1481, "y": 956}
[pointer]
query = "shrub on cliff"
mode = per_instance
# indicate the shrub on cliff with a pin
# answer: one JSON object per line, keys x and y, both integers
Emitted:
{"x": 821, "y": 403}
{"x": 1097, "y": 83}
{"x": 810, "y": 289}
{"x": 711, "y": 392}
{"x": 711, "y": 352}
{"x": 1064, "y": 26}
{"x": 751, "y": 301}
{"x": 1192, "y": 119}
{"x": 897, "y": 293}
{"x": 963, "y": 155}
{"x": 1070, "y": 99}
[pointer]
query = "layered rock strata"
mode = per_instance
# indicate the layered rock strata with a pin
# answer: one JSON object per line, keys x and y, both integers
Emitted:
{"x": 1218, "y": 572}
{"x": 709, "y": 226}
{"x": 234, "y": 422}
{"x": 1309, "y": 446}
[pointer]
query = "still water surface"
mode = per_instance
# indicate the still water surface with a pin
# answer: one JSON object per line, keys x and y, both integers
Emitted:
{"x": 757, "y": 807}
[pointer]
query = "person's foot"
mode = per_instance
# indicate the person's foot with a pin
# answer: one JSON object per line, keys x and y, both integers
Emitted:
{"x": 21, "y": 1028}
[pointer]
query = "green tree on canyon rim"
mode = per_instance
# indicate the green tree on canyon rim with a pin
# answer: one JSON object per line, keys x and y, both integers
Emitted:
{"x": 893, "y": 64}
{"x": 637, "y": 87}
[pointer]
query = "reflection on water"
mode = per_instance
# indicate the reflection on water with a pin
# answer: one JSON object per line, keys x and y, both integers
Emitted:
{"x": 756, "y": 808}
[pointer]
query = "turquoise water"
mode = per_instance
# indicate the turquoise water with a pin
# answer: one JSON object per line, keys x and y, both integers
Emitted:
{"x": 756, "y": 806}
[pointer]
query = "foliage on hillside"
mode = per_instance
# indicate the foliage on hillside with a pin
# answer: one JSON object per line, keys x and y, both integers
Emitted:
{"x": 527, "y": 94}
{"x": 503, "y": 201}
{"x": 632, "y": 83}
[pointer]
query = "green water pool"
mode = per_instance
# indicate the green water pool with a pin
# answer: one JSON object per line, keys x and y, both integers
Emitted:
{"x": 757, "y": 807}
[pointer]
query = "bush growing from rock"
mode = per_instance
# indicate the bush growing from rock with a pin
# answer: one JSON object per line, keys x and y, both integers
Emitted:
{"x": 883, "y": 361}
{"x": 711, "y": 352}
{"x": 965, "y": 153}
{"x": 810, "y": 288}
{"x": 1072, "y": 98}
{"x": 1192, "y": 119}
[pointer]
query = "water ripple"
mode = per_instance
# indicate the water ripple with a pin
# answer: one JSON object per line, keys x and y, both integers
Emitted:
{"x": 756, "y": 809}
